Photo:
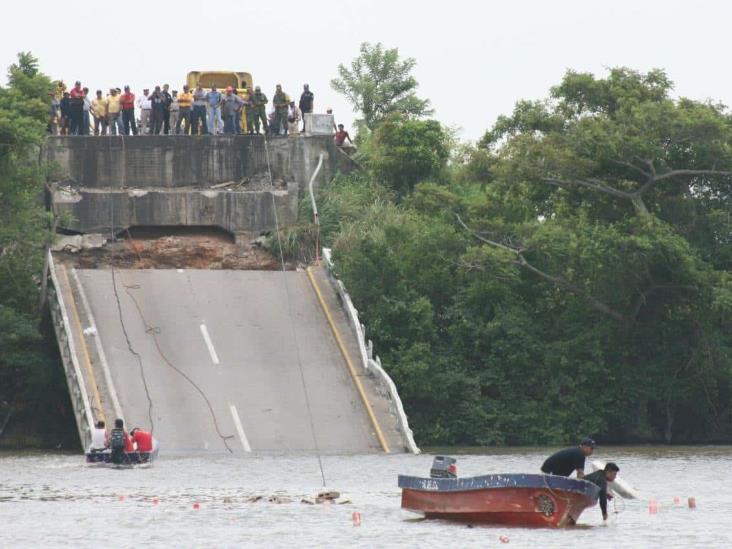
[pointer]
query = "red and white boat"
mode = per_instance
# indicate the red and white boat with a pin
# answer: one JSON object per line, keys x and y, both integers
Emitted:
{"x": 511, "y": 499}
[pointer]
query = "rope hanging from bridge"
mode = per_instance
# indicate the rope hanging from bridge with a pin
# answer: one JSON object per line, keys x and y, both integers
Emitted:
{"x": 289, "y": 310}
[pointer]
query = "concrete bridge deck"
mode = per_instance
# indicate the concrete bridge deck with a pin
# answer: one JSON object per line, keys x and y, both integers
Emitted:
{"x": 240, "y": 336}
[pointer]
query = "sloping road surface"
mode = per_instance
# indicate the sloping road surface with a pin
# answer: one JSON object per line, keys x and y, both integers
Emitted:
{"x": 243, "y": 359}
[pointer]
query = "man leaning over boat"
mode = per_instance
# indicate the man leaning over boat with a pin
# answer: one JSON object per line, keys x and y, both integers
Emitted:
{"x": 564, "y": 462}
{"x": 600, "y": 479}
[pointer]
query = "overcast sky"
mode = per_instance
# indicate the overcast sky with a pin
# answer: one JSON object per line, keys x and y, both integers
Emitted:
{"x": 475, "y": 59}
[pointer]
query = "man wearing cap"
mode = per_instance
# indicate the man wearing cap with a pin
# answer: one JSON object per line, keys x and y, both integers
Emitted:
{"x": 259, "y": 111}
{"x": 571, "y": 459}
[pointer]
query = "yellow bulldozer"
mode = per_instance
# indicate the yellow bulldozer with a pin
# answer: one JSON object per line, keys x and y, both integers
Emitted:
{"x": 240, "y": 81}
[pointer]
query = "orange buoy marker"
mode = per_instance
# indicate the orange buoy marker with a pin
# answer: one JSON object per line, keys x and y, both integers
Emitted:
{"x": 676, "y": 500}
{"x": 196, "y": 506}
{"x": 504, "y": 539}
{"x": 652, "y": 507}
{"x": 692, "y": 503}
{"x": 121, "y": 498}
{"x": 155, "y": 501}
{"x": 356, "y": 517}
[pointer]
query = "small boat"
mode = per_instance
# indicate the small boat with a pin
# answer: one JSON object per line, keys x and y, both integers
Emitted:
{"x": 511, "y": 499}
{"x": 129, "y": 459}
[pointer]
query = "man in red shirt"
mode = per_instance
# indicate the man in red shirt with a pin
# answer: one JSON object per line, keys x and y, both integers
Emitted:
{"x": 76, "y": 109}
{"x": 127, "y": 100}
{"x": 142, "y": 439}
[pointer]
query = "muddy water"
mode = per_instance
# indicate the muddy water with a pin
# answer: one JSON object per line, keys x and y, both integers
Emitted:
{"x": 49, "y": 500}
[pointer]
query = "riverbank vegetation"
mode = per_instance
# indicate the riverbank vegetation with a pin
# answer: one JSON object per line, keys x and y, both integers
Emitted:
{"x": 567, "y": 275}
{"x": 34, "y": 402}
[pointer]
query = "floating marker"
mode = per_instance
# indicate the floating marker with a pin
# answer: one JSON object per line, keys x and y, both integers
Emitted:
{"x": 653, "y": 507}
{"x": 155, "y": 501}
{"x": 504, "y": 539}
{"x": 356, "y": 516}
{"x": 121, "y": 498}
{"x": 677, "y": 500}
{"x": 692, "y": 503}
{"x": 196, "y": 506}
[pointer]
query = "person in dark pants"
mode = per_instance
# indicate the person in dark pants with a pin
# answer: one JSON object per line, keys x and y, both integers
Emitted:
{"x": 200, "y": 100}
{"x": 566, "y": 461}
{"x": 65, "y": 110}
{"x": 76, "y": 110}
{"x": 600, "y": 479}
{"x": 306, "y": 103}
{"x": 157, "y": 105}
{"x": 127, "y": 101}
{"x": 119, "y": 443}
{"x": 167, "y": 101}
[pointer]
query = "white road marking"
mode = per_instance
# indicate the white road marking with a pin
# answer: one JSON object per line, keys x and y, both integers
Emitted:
{"x": 209, "y": 344}
{"x": 240, "y": 429}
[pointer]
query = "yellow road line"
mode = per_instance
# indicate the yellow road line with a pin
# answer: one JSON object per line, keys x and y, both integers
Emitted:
{"x": 87, "y": 359}
{"x": 351, "y": 368}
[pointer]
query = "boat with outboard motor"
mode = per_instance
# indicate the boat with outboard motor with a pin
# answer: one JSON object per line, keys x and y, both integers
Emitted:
{"x": 512, "y": 499}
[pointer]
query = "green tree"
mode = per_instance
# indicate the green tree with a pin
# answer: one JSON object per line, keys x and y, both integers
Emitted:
{"x": 378, "y": 83}
{"x": 27, "y": 367}
{"x": 402, "y": 152}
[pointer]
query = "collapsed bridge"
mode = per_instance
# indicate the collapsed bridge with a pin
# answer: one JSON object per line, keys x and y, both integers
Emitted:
{"x": 238, "y": 356}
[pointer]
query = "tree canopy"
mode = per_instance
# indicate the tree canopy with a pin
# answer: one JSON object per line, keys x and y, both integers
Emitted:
{"x": 29, "y": 374}
{"x": 568, "y": 276}
{"x": 378, "y": 84}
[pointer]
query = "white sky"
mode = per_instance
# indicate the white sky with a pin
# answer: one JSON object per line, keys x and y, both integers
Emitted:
{"x": 474, "y": 59}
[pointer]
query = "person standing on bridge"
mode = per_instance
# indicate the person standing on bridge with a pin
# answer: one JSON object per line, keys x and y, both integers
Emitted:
{"x": 185, "y": 100}
{"x": 128, "y": 112}
{"x": 215, "y": 122}
{"x": 306, "y": 103}
{"x": 99, "y": 110}
{"x": 200, "y": 102}
{"x": 167, "y": 101}
{"x": 564, "y": 462}
{"x": 157, "y": 103}
{"x": 281, "y": 102}
{"x": 259, "y": 111}
{"x": 143, "y": 103}
{"x": 231, "y": 107}
{"x": 114, "y": 107}
{"x": 76, "y": 109}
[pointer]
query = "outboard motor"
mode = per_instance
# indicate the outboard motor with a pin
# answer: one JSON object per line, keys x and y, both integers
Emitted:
{"x": 443, "y": 467}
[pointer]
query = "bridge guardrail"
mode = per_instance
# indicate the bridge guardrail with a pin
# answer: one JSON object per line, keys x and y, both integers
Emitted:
{"x": 64, "y": 336}
{"x": 371, "y": 363}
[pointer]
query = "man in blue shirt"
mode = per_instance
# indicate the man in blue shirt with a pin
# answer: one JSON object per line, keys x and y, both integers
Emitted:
{"x": 565, "y": 461}
{"x": 215, "y": 122}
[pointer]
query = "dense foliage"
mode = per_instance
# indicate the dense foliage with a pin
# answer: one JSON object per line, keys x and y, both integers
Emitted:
{"x": 569, "y": 276}
{"x": 29, "y": 375}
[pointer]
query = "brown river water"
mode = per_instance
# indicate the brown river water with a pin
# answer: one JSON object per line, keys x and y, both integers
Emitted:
{"x": 53, "y": 500}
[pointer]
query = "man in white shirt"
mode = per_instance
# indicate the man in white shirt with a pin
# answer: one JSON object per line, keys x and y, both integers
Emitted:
{"x": 99, "y": 438}
{"x": 294, "y": 116}
{"x": 144, "y": 105}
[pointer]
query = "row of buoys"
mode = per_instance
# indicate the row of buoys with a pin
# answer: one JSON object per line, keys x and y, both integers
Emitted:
{"x": 653, "y": 504}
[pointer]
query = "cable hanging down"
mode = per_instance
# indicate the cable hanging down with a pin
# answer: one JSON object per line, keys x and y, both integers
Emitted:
{"x": 289, "y": 310}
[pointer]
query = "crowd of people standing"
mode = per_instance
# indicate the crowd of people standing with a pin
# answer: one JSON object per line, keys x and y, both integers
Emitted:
{"x": 189, "y": 112}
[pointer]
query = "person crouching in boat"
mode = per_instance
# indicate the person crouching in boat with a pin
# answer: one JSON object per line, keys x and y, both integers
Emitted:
{"x": 600, "y": 479}
{"x": 99, "y": 438}
{"x": 119, "y": 442}
{"x": 565, "y": 461}
{"x": 142, "y": 440}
